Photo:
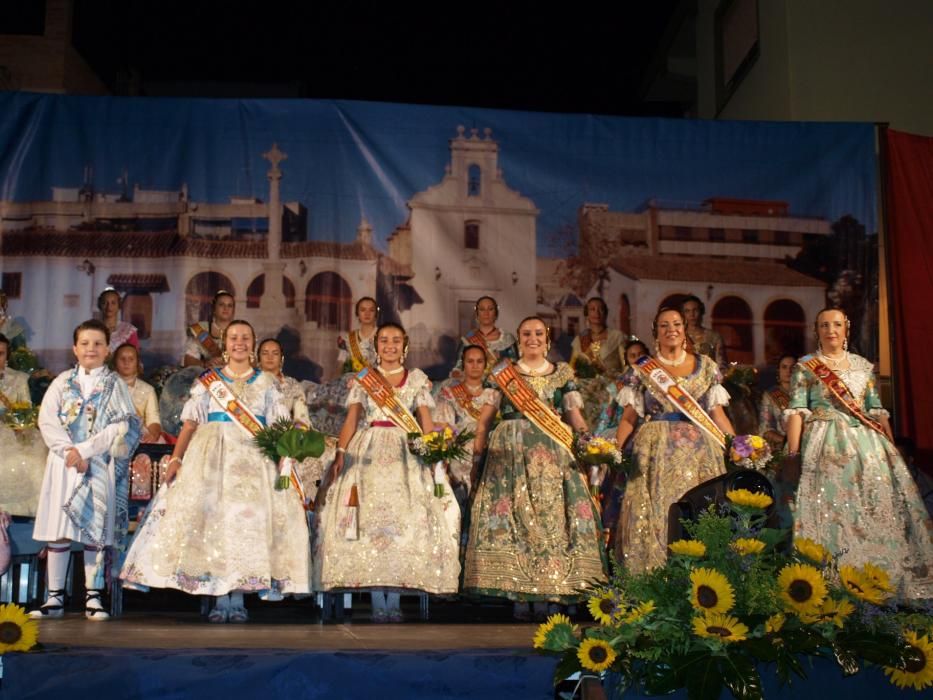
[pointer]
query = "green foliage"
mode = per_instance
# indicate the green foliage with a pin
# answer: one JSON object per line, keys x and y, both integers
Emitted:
{"x": 283, "y": 439}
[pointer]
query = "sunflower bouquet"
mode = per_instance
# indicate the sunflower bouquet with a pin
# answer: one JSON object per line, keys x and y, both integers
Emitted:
{"x": 436, "y": 448}
{"x": 732, "y": 601}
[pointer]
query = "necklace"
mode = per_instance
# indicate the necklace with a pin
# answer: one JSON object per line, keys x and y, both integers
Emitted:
{"x": 676, "y": 362}
{"x": 390, "y": 372}
{"x": 491, "y": 332}
{"x": 835, "y": 361}
{"x": 237, "y": 375}
{"x": 533, "y": 371}
{"x": 475, "y": 390}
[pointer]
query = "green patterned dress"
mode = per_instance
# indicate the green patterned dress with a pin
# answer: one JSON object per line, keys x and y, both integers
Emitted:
{"x": 855, "y": 494}
{"x": 534, "y": 533}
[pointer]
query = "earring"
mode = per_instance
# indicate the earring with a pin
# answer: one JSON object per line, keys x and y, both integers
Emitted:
{"x": 683, "y": 345}
{"x": 547, "y": 348}
{"x": 225, "y": 357}
{"x": 404, "y": 353}
{"x": 281, "y": 364}
{"x": 252, "y": 358}
{"x": 845, "y": 344}
{"x": 657, "y": 347}
{"x": 378, "y": 359}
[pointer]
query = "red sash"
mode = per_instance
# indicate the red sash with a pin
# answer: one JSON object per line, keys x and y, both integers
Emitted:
{"x": 229, "y": 403}
{"x": 524, "y": 398}
{"x": 459, "y": 391}
{"x": 203, "y": 337}
{"x": 780, "y": 398}
{"x": 383, "y": 395}
{"x": 838, "y": 389}
{"x": 477, "y": 338}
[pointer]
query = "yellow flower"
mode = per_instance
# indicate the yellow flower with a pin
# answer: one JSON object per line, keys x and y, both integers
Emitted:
{"x": 860, "y": 585}
{"x": 748, "y": 545}
{"x": 712, "y": 591}
{"x": 448, "y": 433}
{"x": 879, "y": 577}
{"x": 638, "y": 612}
{"x": 918, "y": 669}
{"x": 834, "y": 611}
{"x": 596, "y": 655}
{"x": 775, "y": 623}
{"x": 602, "y": 606}
{"x": 813, "y": 551}
{"x": 744, "y": 497}
{"x": 756, "y": 441}
{"x": 592, "y": 450}
{"x": 556, "y": 626}
{"x": 18, "y": 632}
{"x": 690, "y": 548}
{"x": 802, "y": 588}
{"x": 718, "y": 626}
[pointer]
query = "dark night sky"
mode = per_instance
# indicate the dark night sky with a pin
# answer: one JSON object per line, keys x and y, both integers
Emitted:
{"x": 514, "y": 56}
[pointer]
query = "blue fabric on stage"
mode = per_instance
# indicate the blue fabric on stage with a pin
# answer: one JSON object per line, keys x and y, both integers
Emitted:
{"x": 69, "y": 672}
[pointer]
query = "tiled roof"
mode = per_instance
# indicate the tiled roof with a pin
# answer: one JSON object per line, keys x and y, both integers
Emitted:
{"x": 138, "y": 282}
{"x": 329, "y": 249}
{"x": 697, "y": 268}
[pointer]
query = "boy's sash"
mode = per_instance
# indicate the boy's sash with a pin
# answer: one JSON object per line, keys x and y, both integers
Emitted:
{"x": 477, "y": 338}
{"x": 464, "y": 398}
{"x": 203, "y": 337}
{"x": 838, "y": 389}
{"x": 661, "y": 381}
{"x": 356, "y": 352}
{"x": 229, "y": 403}
{"x": 524, "y": 398}
{"x": 780, "y": 398}
{"x": 383, "y": 395}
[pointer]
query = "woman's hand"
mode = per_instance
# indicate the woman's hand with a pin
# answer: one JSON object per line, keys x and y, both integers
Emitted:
{"x": 174, "y": 464}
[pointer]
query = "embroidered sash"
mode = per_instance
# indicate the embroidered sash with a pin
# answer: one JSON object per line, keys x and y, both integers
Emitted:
{"x": 842, "y": 393}
{"x": 590, "y": 347}
{"x": 477, "y": 338}
{"x": 229, "y": 403}
{"x": 526, "y": 400}
{"x": 356, "y": 352}
{"x": 464, "y": 398}
{"x": 383, "y": 395}
{"x": 661, "y": 381}
{"x": 202, "y": 334}
{"x": 780, "y": 398}
{"x": 4, "y": 399}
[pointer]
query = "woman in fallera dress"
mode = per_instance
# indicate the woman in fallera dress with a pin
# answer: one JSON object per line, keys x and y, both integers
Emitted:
{"x": 771, "y": 426}
{"x": 855, "y": 494}
{"x": 203, "y": 343}
{"x": 671, "y": 454}
{"x": 126, "y": 364}
{"x": 534, "y": 534}
{"x": 221, "y": 528}
{"x": 705, "y": 341}
{"x": 109, "y": 304}
{"x": 597, "y": 358}
{"x": 495, "y": 342}
{"x": 379, "y": 525}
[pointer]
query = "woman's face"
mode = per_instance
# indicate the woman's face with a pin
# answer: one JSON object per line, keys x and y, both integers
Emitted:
{"x": 532, "y": 338}
{"x": 785, "y": 367}
{"x": 239, "y": 342}
{"x": 110, "y": 305}
{"x": 670, "y": 329}
{"x": 486, "y": 313}
{"x": 127, "y": 363}
{"x": 594, "y": 313}
{"x": 366, "y": 314}
{"x": 634, "y": 352}
{"x": 390, "y": 345}
{"x": 692, "y": 314}
{"x": 270, "y": 357}
{"x": 224, "y": 308}
{"x": 831, "y": 329}
{"x": 474, "y": 364}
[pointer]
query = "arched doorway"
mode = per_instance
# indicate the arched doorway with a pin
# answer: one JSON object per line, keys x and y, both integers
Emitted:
{"x": 732, "y": 319}
{"x": 328, "y": 301}
{"x": 258, "y": 287}
{"x": 200, "y": 291}
{"x": 785, "y": 330}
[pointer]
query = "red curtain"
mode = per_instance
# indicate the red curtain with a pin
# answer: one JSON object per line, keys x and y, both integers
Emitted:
{"x": 909, "y": 204}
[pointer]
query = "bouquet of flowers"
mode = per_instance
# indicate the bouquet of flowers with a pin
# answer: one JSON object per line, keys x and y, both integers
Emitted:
{"x": 730, "y": 602}
{"x": 21, "y": 415}
{"x": 437, "y": 447}
{"x": 595, "y": 451}
{"x": 583, "y": 368}
{"x": 747, "y": 452}
{"x": 284, "y": 442}
{"x": 23, "y": 360}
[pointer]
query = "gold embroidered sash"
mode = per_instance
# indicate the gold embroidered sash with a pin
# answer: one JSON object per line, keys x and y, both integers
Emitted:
{"x": 464, "y": 398}
{"x": 842, "y": 393}
{"x": 661, "y": 380}
{"x": 524, "y": 398}
{"x": 477, "y": 338}
{"x": 356, "y": 352}
{"x": 229, "y": 403}
{"x": 780, "y": 398}
{"x": 203, "y": 337}
{"x": 383, "y": 395}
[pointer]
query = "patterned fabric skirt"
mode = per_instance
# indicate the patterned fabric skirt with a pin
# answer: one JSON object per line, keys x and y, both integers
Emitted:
{"x": 856, "y": 494}
{"x": 534, "y": 533}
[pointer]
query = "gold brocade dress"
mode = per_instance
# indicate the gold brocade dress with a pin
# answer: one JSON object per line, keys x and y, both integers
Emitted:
{"x": 672, "y": 456}
{"x": 597, "y": 364}
{"x": 534, "y": 532}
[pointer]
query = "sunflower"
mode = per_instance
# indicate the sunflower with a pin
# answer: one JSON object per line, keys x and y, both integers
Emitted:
{"x": 18, "y": 632}
{"x": 813, "y": 551}
{"x": 918, "y": 666}
{"x": 556, "y": 634}
{"x": 860, "y": 585}
{"x": 638, "y": 612}
{"x": 718, "y": 626}
{"x": 775, "y": 623}
{"x": 690, "y": 548}
{"x": 596, "y": 654}
{"x": 712, "y": 591}
{"x": 744, "y": 497}
{"x": 748, "y": 545}
{"x": 879, "y": 577}
{"x": 834, "y": 611}
{"x": 802, "y": 588}
{"x": 602, "y": 606}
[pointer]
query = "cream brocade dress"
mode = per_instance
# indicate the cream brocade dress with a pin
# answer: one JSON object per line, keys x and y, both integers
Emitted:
{"x": 222, "y": 526}
{"x": 407, "y": 537}
{"x": 855, "y": 491}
